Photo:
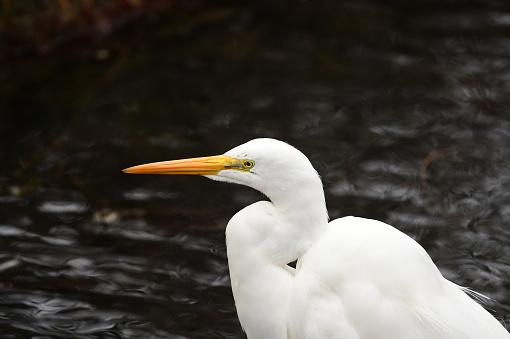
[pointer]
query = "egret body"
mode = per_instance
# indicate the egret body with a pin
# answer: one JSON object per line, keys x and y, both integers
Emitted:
{"x": 355, "y": 278}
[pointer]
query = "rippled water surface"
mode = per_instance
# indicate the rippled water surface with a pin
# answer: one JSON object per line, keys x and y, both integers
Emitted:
{"x": 402, "y": 108}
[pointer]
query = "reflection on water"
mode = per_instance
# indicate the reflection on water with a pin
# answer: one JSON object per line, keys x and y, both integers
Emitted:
{"x": 402, "y": 110}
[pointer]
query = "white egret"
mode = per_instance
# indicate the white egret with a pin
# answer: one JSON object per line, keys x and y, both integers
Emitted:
{"x": 355, "y": 278}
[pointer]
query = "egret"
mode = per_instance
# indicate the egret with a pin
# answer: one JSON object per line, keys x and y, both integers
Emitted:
{"x": 355, "y": 278}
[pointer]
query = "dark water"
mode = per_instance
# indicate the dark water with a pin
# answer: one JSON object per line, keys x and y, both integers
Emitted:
{"x": 403, "y": 109}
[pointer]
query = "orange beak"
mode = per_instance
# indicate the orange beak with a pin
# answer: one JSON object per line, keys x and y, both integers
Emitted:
{"x": 200, "y": 166}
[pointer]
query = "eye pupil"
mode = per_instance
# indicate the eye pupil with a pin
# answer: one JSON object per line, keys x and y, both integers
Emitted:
{"x": 248, "y": 164}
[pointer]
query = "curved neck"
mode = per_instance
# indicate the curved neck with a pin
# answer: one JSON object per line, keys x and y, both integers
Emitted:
{"x": 302, "y": 218}
{"x": 261, "y": 239}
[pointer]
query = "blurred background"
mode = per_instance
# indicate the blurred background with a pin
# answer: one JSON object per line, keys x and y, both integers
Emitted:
{"x": 402, "y": 107}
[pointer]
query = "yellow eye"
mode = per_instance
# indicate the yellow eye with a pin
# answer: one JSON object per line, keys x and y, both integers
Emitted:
{"x": 248, "y": 164}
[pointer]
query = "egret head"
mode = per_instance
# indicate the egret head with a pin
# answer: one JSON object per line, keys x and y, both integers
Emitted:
{"x": 270, "y": 166}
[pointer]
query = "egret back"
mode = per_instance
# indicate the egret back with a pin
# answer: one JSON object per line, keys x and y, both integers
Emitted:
{"x": 365, "y": 280}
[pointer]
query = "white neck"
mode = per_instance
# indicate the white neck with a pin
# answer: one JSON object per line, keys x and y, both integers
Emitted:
{"x": 261, "y": 239}
{"x": 302, "y": 218}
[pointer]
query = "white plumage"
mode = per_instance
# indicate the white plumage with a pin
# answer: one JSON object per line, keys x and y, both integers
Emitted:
{"x": 355, "y": 278}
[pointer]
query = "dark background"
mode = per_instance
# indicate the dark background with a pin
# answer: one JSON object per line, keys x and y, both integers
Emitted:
{"x": 402, "y": 107}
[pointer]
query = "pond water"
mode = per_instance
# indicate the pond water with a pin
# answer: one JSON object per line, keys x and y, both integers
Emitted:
{"x": 403, "y": 109}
